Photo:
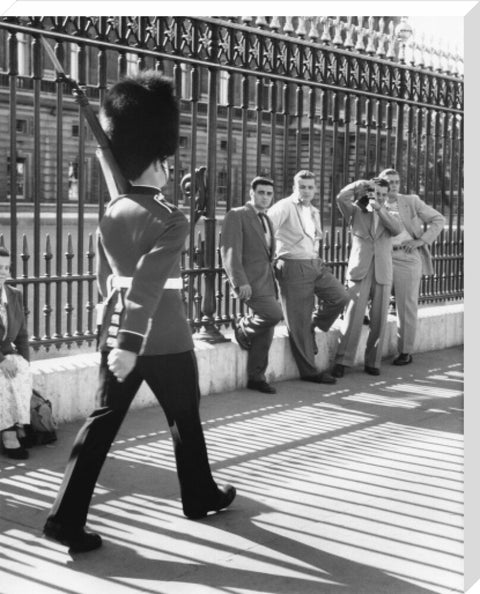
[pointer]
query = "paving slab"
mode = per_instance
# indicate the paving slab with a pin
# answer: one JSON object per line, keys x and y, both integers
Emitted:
{"x": 354, "y": 488}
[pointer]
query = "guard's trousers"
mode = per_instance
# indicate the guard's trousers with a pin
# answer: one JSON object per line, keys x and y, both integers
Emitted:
{"x": 174, "y": 381}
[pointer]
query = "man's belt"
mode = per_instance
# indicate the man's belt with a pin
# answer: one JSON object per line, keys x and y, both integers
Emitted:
{"x": 125, "y": 282}
{"x": 397, "y": 247}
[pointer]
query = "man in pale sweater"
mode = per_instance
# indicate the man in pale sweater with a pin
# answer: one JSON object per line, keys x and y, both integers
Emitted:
{"x": 302, "y": 275}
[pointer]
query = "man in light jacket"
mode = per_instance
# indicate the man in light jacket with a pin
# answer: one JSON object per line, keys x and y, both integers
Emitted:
{"x": 411, "y": 258}
{"x": 369, "y": 272}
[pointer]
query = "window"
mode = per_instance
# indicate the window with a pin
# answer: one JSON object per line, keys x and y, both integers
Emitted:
{"x": 75, "y": 130}
{"x": 74, "y": 50}
{"x": 132, "y": 64}
{"x": 21, "y": 178}
{"x": 73, "y": 180}
{"x": 21, "y": 126}
{"x": 223, "y": 88}
{"x": 183, "y": 142}
{"x": 223, "y": 145}
{"x": 186, "y": 81}
{"x": 24, "y": 58}
{"x": 265, "y": 150}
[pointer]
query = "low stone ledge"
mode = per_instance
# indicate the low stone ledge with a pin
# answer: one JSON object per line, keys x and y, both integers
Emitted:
{"x": 70, "y": 382}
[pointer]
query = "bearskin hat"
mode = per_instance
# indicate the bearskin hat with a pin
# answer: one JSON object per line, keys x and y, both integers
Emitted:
{"x": 140, "y": 116}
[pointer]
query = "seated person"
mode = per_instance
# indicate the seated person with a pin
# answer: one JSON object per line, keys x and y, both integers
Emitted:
{"x": 15, "y": 376}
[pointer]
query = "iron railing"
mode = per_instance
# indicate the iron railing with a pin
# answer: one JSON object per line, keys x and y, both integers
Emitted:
{"x": 266, "y": 96}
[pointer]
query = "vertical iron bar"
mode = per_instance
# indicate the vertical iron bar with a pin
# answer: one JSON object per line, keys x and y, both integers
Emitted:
{"x": 37, "y": 189}
{"x": 82, "y": 76}
{"x": 59, "y": 51}
{"x": 208, "y": 331}
{"x": 12, "y": 80}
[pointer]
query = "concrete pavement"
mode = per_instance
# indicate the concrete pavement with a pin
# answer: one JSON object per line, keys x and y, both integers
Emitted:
{"x": 355, "y": 488}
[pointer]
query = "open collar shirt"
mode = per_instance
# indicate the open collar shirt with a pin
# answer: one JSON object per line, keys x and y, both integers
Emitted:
{"x": 298, "y": 229}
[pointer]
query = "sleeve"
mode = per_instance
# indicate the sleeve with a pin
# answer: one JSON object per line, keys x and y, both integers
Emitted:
{"x": 148, "y": 282}
{"x": 430, "y": 216}
{"x": 21, "y": 340}
{"x": 277, "y": 214}
{"x": 390, "y": 221}
{"x": 231, "y": 249}
{"x": 345, "y": 201}
{"x": 103, "y": 267}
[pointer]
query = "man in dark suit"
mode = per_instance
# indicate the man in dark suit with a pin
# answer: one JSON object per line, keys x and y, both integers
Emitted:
{"x": 147, "y": 337}
{"x": 247, "y": 248}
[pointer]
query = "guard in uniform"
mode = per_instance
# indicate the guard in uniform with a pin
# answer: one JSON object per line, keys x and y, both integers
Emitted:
{"x": 144, "y": 334}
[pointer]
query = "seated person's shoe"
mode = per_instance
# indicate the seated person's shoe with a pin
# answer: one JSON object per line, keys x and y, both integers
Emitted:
{"x": 11, "y": 447}
{"x": 240, "y": 336}
{"x": 226, "y": 495}
{"x": 320, "y": 378}
{"x": 372, "y": 370}
{"x": 261, "y": 386}
{"x": 78, "y": 541}
{"x": 403, "y": 359}
{"x": 338, "y": 370}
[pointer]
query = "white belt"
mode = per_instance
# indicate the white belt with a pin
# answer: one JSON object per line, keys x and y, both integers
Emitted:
{"x": 125, "y": 282}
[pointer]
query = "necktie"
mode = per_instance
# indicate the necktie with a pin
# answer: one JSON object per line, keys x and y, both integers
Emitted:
{"x": 266, "y": 229}
{"x": 263, "y": 220}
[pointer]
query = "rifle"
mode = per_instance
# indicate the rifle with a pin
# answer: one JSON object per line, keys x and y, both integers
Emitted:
{"x": 116, "y": 182}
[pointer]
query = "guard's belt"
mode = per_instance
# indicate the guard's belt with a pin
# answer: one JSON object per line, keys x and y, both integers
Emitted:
{"x": 125, "y": 282}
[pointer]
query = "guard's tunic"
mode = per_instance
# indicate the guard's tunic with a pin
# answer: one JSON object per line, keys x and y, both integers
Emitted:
{"x": 141, "y": 238}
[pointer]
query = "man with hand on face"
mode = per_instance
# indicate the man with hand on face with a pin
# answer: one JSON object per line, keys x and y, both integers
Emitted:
{"x": 302, "y": 275}
{"x": 369, "y": 272}
{"x": 146, "y": 337}
{"x": 247, "y": 248}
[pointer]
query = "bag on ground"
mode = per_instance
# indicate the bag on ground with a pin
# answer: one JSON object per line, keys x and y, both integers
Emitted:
{"x": 42, "y": 422}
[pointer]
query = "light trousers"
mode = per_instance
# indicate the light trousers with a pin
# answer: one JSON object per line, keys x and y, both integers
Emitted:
{"x": 361, "y": 292}
{"x": 407, "y": 274}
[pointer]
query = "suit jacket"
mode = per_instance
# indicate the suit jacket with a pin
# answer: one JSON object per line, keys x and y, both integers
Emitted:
{"x": 368, "y": 244}
{"x": 246, "y": 257}
{"x": 293, "y": 242}
{"x": 17, "y": 330}
{"x": 413, "y": 213}
{"x": 142, "y": 236}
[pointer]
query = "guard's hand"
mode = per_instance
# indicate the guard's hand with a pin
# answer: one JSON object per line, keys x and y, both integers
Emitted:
{"x": 121, "y": 363}
{"x": 411, "y": 245}
{"x": 9, "y": 368}
{"x": 245, "y": 292}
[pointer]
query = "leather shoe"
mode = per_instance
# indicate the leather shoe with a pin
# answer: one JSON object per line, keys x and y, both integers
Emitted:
{"x": 261, "y": 386}
{"x": 403, "y": 359}
{"x": 320, "y": 378}
{"x": 11, "y": 446}
{"x": 338, "y": 370}
{"x": 226, "y": 495}
{"x": 242, "y": 340}
{"x": 372, "y": 370}
{"x": 78, "y": 541}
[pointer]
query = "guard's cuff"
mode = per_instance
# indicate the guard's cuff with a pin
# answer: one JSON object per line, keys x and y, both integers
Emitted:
{"x": 129, "y": 341}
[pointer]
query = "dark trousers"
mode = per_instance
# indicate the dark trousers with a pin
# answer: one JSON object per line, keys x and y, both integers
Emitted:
{"x": 174, "y": 381}
{"x": 300, "y": 282}
{"x": 259, "y": 327}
